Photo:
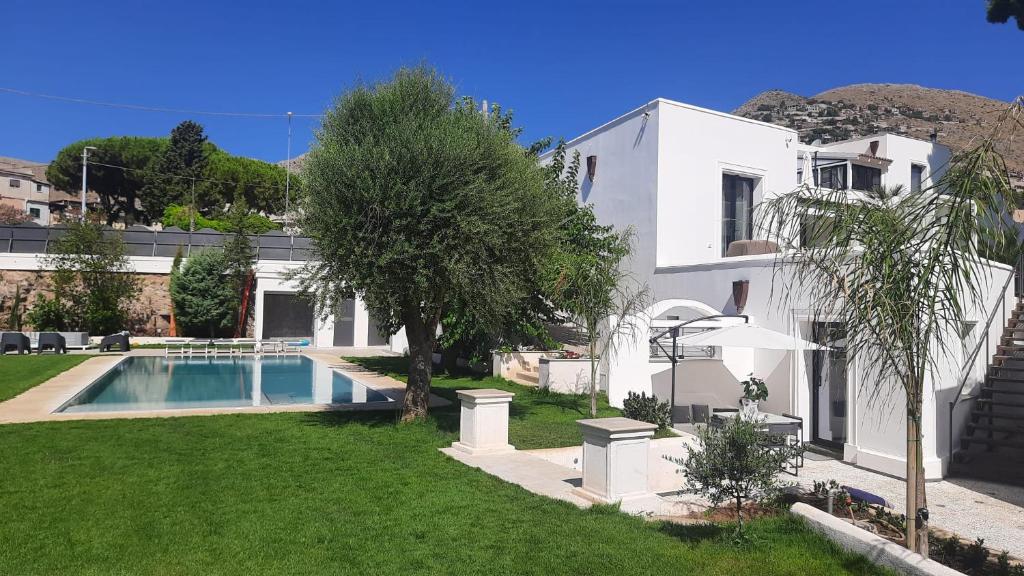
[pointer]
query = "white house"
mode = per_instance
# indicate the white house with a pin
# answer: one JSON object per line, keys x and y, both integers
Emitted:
{"x": 686, "y": 179}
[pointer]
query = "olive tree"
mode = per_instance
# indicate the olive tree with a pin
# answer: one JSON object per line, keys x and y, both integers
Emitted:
{"x": 414, "y": 202}
{"x": 901, "y": 272}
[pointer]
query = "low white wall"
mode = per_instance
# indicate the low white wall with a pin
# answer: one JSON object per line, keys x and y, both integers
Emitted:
{"x": 508, "y": 364}
{"x": 874, "y": 547}
{"x": 564, "y": 375}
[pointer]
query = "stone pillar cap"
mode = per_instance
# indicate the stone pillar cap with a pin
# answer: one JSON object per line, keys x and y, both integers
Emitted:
{"x": 485, "y": 394}
{"x": 616, "y": 426}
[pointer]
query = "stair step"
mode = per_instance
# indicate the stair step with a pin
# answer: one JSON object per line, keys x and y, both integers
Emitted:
{"x": 995, "y": 390}
{"x": 996, "y": 442}
{"x": 990, "y": 402}
{"x": 996, "y": 415}
{"x": 1010, "y": 348}
{"x": 996, "y": 428}
{"x": 1006, "y": 379}
{"x": 1008, "y": 369}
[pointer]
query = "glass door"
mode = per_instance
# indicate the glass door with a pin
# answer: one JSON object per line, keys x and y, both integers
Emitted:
{"x": 829, "y": 398}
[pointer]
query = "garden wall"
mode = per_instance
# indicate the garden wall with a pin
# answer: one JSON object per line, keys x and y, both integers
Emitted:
{"x": 150, "y": 311}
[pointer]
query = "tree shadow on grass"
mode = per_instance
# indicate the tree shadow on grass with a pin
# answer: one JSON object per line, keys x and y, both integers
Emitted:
{"x": 693, "y": 533}
{"x": 335, "y": 418}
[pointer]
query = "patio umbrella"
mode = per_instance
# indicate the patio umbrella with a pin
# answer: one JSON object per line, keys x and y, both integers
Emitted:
{"x": 807, "y": 171}
{"x": 749, "y": 336}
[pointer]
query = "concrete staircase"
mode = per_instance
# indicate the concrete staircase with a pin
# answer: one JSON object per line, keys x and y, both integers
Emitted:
{"x": 528, "y": 375}
{"x": 992, "y": 446}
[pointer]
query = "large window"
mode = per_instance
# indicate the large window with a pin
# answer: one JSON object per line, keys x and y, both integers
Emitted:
{"x": 866, "y": 178}
{"x": 916, "y": 176}
{"x": 737, "y": 209}
{"x": 832, "y": 177}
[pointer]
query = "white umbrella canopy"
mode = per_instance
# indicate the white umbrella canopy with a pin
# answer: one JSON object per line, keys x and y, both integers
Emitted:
{"x": 748, "y": 336}
{"x": 807, "y": 171}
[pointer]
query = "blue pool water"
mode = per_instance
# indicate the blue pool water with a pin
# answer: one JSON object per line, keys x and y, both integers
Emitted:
{"x": 159, "y": 383}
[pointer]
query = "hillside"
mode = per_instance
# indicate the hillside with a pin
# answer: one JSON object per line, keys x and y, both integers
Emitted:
{"x": 959, "y": 118}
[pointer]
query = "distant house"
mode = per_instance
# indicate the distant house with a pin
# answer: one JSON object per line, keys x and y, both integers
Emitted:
{"x": 23, "y": 185}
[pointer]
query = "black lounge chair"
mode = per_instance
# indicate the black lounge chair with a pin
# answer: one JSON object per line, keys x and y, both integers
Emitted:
{"x": 15, "y": 341}
{"x": 52, "y": 340}
{"x": 120, "y": 340}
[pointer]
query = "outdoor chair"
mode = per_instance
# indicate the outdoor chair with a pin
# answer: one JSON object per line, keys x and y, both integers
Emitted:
{"x": 701, "y": 413}
{"x": 784, "y": 435}
{"x": 120, "y": 340}
{"x": 800, "y": 434}
{"x": 681, "y": 415}
{"x": 52, "y": 340}
{"x": 15, "y": 341}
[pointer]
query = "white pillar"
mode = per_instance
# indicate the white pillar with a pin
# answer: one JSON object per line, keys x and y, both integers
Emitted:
{"x": 615, "y": 458}
{"x": 483, "y": 425}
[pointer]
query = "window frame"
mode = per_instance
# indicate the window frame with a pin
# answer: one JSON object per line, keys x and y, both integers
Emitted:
{"x": 920, "y": 176}
{"x": 854, "y": 168}
{"x": 729, "y": 217}
{"x": 14, "y": 182}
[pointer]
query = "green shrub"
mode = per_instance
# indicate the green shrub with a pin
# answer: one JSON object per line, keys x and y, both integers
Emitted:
{"x": 204, "y": 297}
{"x": 47, "y": 315}
{"x": 180, "y": 216}
{"x": 647, "y": 409}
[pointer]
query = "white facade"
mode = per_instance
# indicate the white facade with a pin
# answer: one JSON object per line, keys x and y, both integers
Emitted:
{"x": 661, "y": 169}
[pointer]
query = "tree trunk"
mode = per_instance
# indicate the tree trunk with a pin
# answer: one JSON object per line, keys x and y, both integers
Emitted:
{"x": 421, "y": 347}
{"x": 917, "y": 532}
{"x": 739, "y": 515}
{"x": 593, "y": 378}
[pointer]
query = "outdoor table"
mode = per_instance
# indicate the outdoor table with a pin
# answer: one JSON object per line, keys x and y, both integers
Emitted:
{"x": 764, "y": 418}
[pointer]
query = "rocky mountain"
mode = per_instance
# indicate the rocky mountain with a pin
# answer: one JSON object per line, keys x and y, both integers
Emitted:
{"x": 957, "y": 118}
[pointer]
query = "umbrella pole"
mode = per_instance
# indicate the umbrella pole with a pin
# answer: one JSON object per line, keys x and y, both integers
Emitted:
{"x": 672, "y": 399}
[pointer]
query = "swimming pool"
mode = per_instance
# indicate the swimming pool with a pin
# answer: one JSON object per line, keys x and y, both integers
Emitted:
{"x": 161, "y": 383}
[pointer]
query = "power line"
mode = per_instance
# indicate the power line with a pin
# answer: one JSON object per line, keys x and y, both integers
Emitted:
{"x": 139, "y": 107}
{"x": 264, "y": 184}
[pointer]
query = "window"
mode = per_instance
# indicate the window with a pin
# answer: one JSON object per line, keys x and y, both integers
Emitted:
{"x": 15, "y": 183}
{"x": 33, "y": 212}
{"x": 833, "y": 177}
{"x": 866, "y": 178}
{"x": 815, "y": 231}
{"x": 916, "y": 173}
{"x": 737, "y": 209}
{"x": 42, "y": 188}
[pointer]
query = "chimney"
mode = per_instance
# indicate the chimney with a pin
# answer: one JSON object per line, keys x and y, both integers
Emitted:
{"x": 934, "y": 136}
{"x": 873, "y": 147}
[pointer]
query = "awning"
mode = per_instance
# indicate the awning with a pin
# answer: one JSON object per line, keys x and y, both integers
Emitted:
{"x": 748, "y": 336}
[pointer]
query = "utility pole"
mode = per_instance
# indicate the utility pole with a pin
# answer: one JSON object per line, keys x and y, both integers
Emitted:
{"x": 192, "y": 211}
{"x": 85, "y": 175}
{"x": 288, "y": 176}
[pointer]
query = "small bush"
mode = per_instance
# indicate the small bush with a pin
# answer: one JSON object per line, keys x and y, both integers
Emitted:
{"x": 647, "y": 409}
{"x": 47, "y": 315}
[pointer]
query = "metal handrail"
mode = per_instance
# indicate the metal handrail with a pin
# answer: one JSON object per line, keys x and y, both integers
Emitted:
{"x": 968, "y": 366}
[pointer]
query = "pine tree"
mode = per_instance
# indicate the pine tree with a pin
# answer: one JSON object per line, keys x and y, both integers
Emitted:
{"x": 182, "y": 163}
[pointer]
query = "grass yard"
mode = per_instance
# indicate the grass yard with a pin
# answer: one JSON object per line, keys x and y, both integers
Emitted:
{"x": 336, "y": 493}
{"x": 537, "y": 419}
{"x": 18, "y": 373}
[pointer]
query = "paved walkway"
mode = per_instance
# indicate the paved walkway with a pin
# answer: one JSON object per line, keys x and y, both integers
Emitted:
{"x": 968, "y": 508}
{"x": 38, "y": 404}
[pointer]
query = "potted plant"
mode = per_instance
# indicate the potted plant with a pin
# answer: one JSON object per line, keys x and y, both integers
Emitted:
{"x": 754, "y": 391}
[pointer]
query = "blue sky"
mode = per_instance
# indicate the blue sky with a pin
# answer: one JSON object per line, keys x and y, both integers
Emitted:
{"x": 564, "y": 67}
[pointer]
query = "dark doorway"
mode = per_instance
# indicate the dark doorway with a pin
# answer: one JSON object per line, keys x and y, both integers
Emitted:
{"x": 287, "y": 316}
{"x": 345, "y": 323}
{"x": 374, "y": 337}
{"x": 828, "y": 386}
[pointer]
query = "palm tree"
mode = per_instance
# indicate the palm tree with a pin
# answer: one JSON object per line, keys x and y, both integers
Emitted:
{"x": 901, "y": 271}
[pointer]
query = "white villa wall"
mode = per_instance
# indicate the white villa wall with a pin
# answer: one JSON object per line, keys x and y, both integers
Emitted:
{"x": 624, "y": 190}
{"x": 696, "y": 148}
{"x": 903, "y": 152}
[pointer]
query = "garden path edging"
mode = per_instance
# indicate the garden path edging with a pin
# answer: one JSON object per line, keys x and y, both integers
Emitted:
{"x": 874, "y": 547}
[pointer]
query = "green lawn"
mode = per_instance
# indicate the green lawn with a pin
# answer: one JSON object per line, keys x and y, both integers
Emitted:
{"x": 18, "y": 373}
{"x": 334, "y": 493}
{"x": 537, "y": 419}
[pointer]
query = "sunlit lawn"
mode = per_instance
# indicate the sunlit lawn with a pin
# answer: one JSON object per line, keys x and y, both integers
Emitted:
{"x": 336, "y": 493}
{"x": 18, "y": 373}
